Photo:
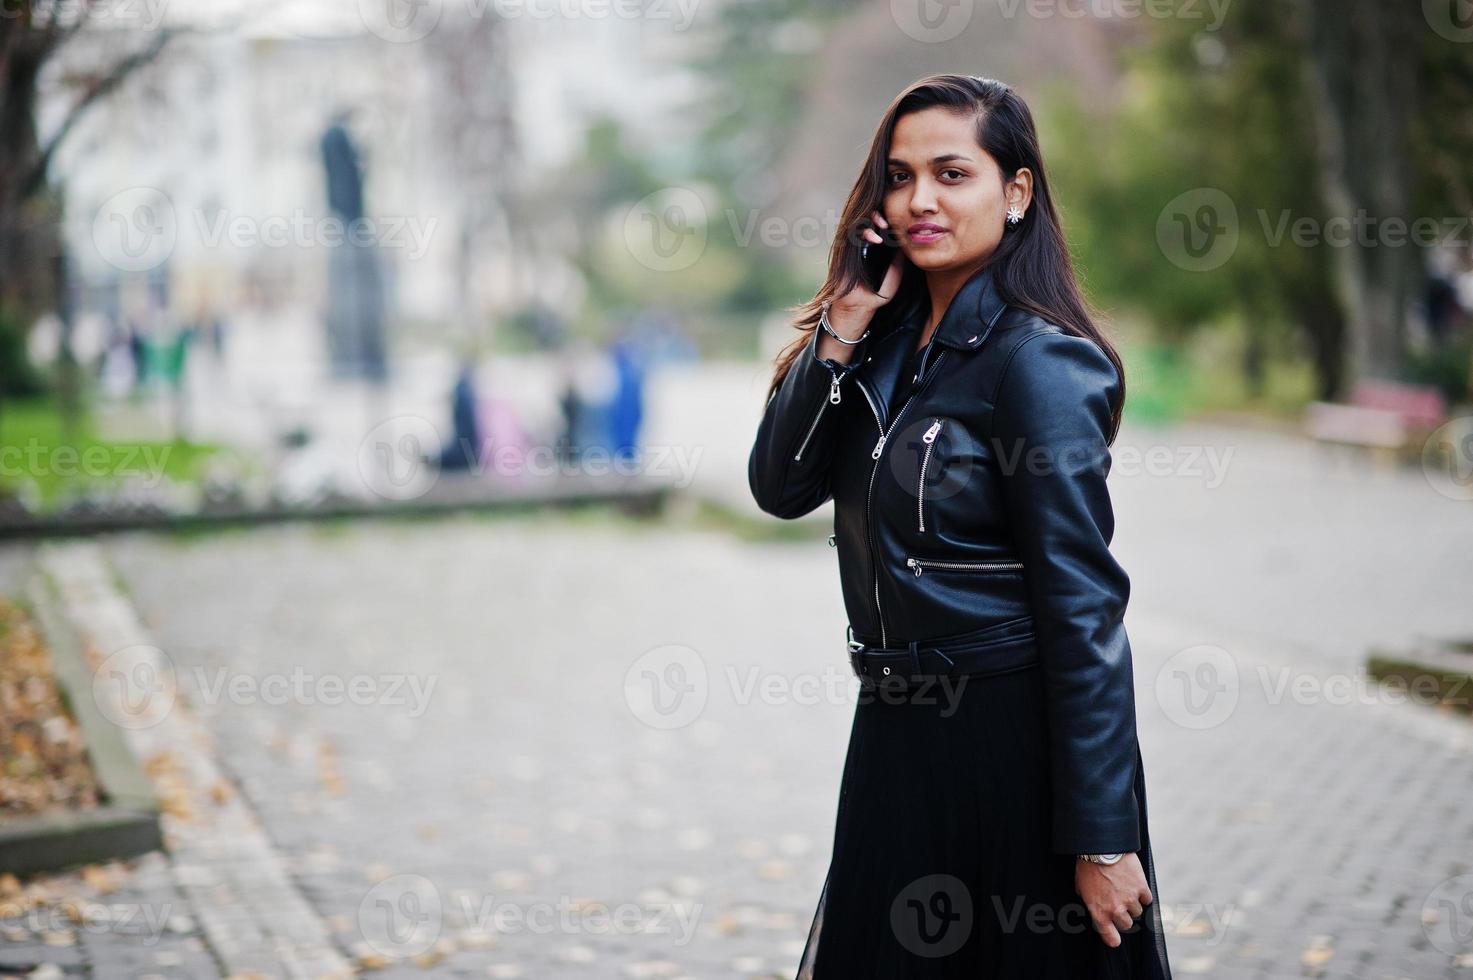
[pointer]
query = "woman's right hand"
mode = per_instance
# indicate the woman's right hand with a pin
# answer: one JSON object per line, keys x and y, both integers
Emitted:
{"x": 850, "y": 314}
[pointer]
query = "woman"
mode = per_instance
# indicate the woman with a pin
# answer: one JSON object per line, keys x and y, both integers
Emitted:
{"x": 992, "y": 814}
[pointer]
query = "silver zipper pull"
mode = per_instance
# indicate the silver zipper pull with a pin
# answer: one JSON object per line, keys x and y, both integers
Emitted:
{"x": 878, "y": 446}
{"x": 930, "y": 435}
{"x": 833, "y": 540}
{"x": 914, "y": 564}
{"x": 834, "y": 392}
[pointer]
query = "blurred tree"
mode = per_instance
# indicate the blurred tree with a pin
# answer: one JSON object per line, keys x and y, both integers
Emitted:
{"x": 607, "y": 175}
{"x": 1365, "y": 65}
{"x": 1259, "y": 111}
{"x": 753, "y": 68}
{"x": 757, "y": 70}
{"x": 1166, "y": 152}
{"x": 32, "y": 33}
{"x": 474, "y": 109}
{"x": 1441, "y": 133}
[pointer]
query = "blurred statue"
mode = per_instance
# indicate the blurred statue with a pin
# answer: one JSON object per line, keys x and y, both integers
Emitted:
{"x": 355, "y": 317}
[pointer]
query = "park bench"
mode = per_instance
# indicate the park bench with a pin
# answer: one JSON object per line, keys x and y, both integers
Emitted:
{"x": 1382, "y": 415}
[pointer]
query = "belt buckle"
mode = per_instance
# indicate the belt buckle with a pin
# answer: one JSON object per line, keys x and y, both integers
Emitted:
{"x": 855, "y": 647}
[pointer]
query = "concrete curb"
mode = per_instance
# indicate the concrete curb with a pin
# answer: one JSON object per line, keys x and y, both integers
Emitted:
{"x": 635, "y": 494}
{"x": 127, "y": 822}
{"x": 255, "y": 920}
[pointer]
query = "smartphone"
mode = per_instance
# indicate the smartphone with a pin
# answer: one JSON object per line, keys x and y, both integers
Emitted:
{"x": 876, "y": 258}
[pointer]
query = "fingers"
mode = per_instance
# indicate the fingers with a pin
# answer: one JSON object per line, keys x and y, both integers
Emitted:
{"x": 1145, "y": 897}
{"x": 1109, "y": 934}
{"x": 873, "y": 236}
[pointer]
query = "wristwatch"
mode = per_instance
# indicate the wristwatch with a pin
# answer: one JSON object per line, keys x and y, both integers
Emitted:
{"x": 1102, "y": 858}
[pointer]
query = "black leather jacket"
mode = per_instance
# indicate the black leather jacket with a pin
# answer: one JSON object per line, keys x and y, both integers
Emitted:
{"x": 979, "y": 499}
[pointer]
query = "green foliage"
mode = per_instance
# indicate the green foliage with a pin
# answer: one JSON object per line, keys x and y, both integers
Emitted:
{"x": 753, "y": 75}
{"x": 1224, "y": 111}
{"x": 1445, "y": 368}
{"x": 37, "y": 449}
{"x": 1441, "y": 132}
{"x": 17, "y": 377}
{"x": 1232, "y": 111}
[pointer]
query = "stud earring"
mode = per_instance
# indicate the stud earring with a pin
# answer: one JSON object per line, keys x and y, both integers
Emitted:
{"x": 1014, "y": 215}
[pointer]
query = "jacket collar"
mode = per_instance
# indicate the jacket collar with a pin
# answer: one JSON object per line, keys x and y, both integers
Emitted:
{"x": 973, "y": 312}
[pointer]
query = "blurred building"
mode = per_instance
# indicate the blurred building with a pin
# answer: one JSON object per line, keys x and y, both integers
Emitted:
{"x": 203, "y": 172}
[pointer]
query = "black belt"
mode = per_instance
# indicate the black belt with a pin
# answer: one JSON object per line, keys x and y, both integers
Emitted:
{"x": 996, "y": 649}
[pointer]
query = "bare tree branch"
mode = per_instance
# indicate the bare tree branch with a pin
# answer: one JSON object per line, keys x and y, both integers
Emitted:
{"x": 36, "y": 176}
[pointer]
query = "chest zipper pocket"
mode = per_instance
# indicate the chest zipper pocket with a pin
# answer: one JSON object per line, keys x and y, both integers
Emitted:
{"x": 930, "y": 441}
{"x": 935, "y": 564}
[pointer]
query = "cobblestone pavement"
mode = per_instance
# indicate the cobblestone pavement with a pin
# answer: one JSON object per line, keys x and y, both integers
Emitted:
{"x": 513, "y": 762}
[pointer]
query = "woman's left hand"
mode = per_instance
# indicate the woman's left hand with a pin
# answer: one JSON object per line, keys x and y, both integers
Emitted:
{"x": 1115, "y": 894}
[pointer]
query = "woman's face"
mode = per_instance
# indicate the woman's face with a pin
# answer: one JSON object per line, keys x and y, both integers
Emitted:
{"x": 945, "y": 196}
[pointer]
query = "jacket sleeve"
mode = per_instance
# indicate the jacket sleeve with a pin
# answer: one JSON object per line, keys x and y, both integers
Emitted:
{"x": 1050, "y": 430}
{"x": 788, "y": 469}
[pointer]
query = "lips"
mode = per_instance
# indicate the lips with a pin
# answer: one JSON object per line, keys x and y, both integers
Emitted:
{"x": 925, "y": 232}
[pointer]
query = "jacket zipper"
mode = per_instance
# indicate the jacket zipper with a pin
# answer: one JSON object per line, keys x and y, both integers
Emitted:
{"x": 870, "y": 493}
{"x": 881, "y": 427}
{"x": 930, "y": 440}
{"x": 978, "y": 566}
{"x": 833, "y": 399}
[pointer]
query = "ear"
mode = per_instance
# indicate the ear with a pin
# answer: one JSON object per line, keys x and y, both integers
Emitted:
{"x": 1019, "y": 190}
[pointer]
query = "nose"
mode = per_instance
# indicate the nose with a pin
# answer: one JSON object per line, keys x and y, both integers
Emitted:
{"x": 923, "y": 199}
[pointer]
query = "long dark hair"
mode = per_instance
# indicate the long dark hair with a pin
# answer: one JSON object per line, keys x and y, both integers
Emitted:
{"x": 1031, "y": 264}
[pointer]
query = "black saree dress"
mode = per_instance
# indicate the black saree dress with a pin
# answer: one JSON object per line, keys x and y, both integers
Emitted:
{"x": 942, "y": 864}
